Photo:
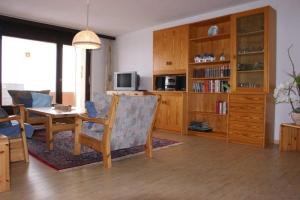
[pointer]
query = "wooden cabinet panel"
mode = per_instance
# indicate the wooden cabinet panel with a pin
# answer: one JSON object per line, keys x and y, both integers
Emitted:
{"x": 170, "y": 50}
{"x": 170, "y": 112}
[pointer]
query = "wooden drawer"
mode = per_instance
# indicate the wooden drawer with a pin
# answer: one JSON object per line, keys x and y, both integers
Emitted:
{"x": 246, "y": 126}
{"x": 248, "y": 117}
{"x": 247, "y": 99}
{"x": 246, "y": 137}
{"x": 246, "y": 108}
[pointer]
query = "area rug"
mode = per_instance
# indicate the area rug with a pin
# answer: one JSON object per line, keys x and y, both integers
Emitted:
{"x": 61, "y": 158}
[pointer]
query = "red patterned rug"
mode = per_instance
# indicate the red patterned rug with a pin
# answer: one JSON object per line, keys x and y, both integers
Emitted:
{"x": 61, "y": 157}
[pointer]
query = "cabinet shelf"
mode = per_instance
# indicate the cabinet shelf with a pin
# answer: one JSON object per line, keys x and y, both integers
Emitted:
{"x": 208, "y": 113}
{"x": 215, "y": 135}
{"x": 211, "y": 78}
{"x": 250, "y": 53}
{"x": 210, "y": 63}
{"x": 217, "y": 93}
{"x": 250, "y": 71}
{"x": 250, "y": 33}
{"x": 211, "y": 38}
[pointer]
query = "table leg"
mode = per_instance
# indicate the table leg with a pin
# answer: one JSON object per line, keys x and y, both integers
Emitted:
{"x": 77, "y": 130}
{"x": 49, "y": 133}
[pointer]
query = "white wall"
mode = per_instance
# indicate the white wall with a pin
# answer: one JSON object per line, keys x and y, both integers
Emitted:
{"x": 133, "y": 51}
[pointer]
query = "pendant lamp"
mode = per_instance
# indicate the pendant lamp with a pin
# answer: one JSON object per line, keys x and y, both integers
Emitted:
{"x": 86, "y": 39}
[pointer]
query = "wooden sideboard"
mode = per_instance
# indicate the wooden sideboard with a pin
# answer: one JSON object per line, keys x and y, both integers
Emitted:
{"x": 4, "y": 164}
{"x": 289, "y": 137}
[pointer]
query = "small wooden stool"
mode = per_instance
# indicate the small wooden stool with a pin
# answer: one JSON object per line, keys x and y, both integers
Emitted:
{"x": 289, "y": 137}
{"x": 4, "y": 164}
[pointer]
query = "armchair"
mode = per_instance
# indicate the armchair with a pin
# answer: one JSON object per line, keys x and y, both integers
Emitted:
{"x": 129, "y": 123}
{"x": 29, "y": 99}
{"x": 13, "y": 127}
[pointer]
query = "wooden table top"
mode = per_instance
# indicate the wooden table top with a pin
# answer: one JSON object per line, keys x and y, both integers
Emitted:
{"x": 56, "y": 113}
{"x": 291, "y": 125}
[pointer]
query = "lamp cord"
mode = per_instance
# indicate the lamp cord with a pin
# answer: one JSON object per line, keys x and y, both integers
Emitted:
{"x": 87, "y": 13}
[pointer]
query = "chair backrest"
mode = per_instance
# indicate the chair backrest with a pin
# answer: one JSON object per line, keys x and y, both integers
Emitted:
{"x": 133, "y": 121}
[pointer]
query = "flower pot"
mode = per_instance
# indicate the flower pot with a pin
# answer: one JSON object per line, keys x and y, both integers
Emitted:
{"x": 296, "y": 117}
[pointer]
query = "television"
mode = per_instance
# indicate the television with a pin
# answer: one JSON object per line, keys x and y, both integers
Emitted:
{"x": 126, "y": 80}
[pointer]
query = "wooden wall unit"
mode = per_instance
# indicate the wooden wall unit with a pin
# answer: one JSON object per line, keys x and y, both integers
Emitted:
{"x": 248, "y": 42}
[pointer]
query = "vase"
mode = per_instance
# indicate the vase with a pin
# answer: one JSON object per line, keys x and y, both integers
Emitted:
{"x": 296, "y": 117}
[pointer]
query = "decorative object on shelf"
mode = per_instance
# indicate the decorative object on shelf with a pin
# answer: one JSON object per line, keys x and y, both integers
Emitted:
{"x": 289, "y": 92}
{"x": 213, "y": 30}
{"x": 199, "y": 126}
{"x": 206, "y": 57}
{"x": 87, "y": 39}
{"x": 222, "y": 57}
{"x": 62, "y": 107}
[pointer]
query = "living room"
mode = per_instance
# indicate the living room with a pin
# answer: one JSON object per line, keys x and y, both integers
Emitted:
{"x": 220, "y": 129}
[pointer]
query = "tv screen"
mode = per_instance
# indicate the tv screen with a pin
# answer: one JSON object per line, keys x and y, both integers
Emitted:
{"x": 124, "y": 80}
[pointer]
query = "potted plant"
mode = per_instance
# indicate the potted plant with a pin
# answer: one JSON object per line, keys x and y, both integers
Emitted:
{"x": 289, "y": 92}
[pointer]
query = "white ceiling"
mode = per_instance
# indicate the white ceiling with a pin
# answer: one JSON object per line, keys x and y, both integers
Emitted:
{"x": 112, "y": 17}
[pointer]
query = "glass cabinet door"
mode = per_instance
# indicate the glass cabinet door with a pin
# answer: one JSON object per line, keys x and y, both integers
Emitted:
{"x": 250, "y": 52}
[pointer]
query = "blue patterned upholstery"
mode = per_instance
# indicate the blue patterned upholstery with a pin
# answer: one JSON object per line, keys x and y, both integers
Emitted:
{"x": 134, "y": 116}
{"x": 13, "y": 131}
{"x": 102, "y": 104}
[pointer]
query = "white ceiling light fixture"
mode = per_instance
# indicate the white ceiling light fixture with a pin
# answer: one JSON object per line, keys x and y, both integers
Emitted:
{"x": 86, "y": 39}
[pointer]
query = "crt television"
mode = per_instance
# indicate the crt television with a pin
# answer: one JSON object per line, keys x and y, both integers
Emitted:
{"x": 126, "y": 80}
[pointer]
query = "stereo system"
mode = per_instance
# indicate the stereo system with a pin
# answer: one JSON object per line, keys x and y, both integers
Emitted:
{"x": 170, "y": 83}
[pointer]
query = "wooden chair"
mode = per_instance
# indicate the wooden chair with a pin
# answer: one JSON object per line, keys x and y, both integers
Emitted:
{"x": 129, "y": 123}
{"x": 17, "y": 144}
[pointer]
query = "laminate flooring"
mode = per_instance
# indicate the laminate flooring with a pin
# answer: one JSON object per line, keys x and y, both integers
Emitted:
{"x": 199, "y": 168}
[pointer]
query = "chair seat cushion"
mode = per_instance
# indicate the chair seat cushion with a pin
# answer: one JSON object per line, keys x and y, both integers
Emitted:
{"x": 93, "y": 130}
{"x": 14, "y": 130}
{"x": 3, "y": 114}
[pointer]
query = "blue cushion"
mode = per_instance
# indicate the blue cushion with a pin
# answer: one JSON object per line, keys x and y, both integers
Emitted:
{"x": 27, "y": 102}
{"x": 14, "y": 130}
{"x": 91, "y": 109}
{"x": 3, "y": 114}
{"x": 41, "y": 100}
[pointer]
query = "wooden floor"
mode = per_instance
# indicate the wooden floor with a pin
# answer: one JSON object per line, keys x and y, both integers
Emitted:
{"x": 199, "y": 168}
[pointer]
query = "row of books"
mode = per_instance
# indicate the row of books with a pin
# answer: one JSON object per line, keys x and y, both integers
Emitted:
{"x": 221, "y": 107}
{"x": 221, "y": 71}
{"x": 210, "y": 86}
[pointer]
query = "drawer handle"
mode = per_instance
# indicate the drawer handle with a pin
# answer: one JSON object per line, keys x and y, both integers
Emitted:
{"x": 169, "y": 63}
{"x": 1, "y": 152}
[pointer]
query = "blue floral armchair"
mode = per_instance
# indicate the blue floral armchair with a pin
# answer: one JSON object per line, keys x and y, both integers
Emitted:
{"x": 128, "y": 122}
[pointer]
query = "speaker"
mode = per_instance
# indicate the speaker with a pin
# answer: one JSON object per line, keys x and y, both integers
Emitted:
{"x": 180, "y": 83}
{"x": 160, "y": 82}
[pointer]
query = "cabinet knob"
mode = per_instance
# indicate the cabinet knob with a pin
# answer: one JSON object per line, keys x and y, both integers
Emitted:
{"x": 169, "y": 63}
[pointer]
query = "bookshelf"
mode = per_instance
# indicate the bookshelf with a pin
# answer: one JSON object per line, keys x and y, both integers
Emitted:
{"x": 207, "y": 96}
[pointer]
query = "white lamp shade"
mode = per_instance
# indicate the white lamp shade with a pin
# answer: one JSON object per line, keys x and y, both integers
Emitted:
{"x": 86, "y": 39}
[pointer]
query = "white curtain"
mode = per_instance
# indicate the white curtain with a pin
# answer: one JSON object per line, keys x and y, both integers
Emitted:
{"x": 80, "y": 78}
